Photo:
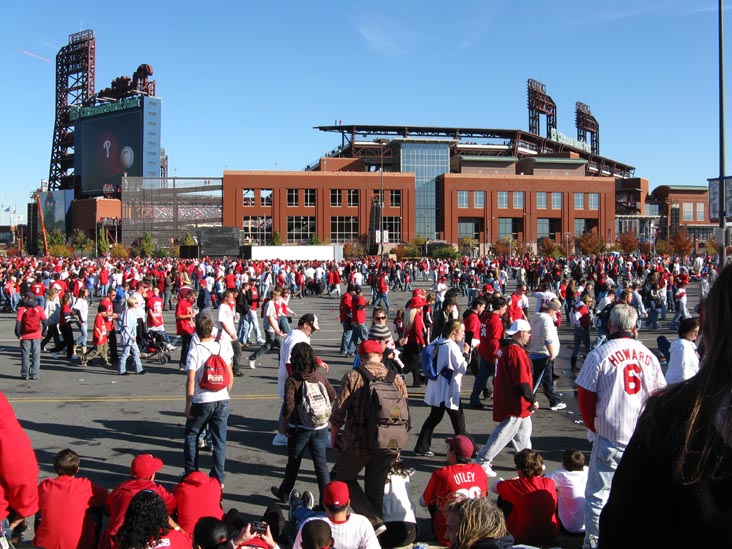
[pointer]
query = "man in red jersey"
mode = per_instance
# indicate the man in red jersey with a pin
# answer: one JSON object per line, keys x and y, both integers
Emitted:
{"x": 514, "y": 399}
{"x": 460, "y": 478}
{"x": 491, "y": 333}
{"x": 185, "y": 326}
{"x": 110, "y": 316}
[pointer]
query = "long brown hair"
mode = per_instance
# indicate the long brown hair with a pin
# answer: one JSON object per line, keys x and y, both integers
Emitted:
{"x": 705, "y": 453}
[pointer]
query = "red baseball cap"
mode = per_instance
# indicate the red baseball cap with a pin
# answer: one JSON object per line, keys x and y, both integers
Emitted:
{"x": 462, "y": 446}
{"x": 336, "y": 494}
{"x": 145, "y": 465}
{"x": 369, "y": 346}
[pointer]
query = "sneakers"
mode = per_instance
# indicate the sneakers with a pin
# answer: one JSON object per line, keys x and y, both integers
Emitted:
{"x": 379, "y": 529}
{"x": 308, "y": 500}
{"x": 428, "y": 453}
{"x": 202, "y": 444}
{"x": 293, "y": 502}
{"x": 486, "y": 465}
{"x": 280, "y": 439}
{"x": 170, "y": 347}
{"x": 558, "y": 406}
{"x": 252, "y": 364}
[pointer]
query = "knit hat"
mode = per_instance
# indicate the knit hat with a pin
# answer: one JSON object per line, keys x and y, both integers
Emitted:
{"x": 379, "y": 331}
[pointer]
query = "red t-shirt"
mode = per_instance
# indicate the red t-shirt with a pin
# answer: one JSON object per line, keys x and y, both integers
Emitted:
{"x": 472, "y": 324}
{"x": 63, "y": 502}
{"x": 186, "y": 326}
{"x": 36, "y": 334}
{"x": 465, "y": 480}
{"x": 172, "y": 540}
{"x": 533, "y": 518}
{"x": 101, "y": 335}
{"x": 358, "y": 316}
{"x": 514, "y": 307}
{"x": 514, "y": 368}
{"x": 491, "y": 333}
{"x": 108, "y": 308}
{"x": 345, "y": 306}
{"x": 154, "y": 311}
{"x": 120, "y": 498}
{"x": 198, "y": 495}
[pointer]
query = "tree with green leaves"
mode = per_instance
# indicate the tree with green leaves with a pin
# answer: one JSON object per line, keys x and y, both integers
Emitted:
{"x": 147, "y": 245}
{"x": 55, "y": 237}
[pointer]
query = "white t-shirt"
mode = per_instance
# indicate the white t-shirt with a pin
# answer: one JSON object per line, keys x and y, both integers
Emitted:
{"x": 295, "y": 337}
{"x": 571, "y": 492}
{"x": 197, "y": 356}
{"x": 226, "y": 318}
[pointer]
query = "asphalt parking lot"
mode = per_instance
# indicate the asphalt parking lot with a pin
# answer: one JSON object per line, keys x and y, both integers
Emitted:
{"x": 108, "y": 419}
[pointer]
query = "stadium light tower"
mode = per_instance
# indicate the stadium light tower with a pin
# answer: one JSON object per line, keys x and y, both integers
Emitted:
{"x": 722, "y": 167}
{"x": 382, "y": 142}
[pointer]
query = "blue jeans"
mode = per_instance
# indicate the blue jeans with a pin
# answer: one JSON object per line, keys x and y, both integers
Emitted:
{"x": 314, "y": 440}
{"x": 81, "y": 340}
{"x": 244, "y": 327}
{"x": 486, "y": 370}
{"x": 382, "y": 298}
{"x": 347, "y": 347}
{"x": 128, "y": 349}
{"x": 359, "y": 333}
{"x": 215, "y": 415}
{"x": 547, "y": 381}
{"x": 30, "y": 357}
{"x": 606, "y": 456}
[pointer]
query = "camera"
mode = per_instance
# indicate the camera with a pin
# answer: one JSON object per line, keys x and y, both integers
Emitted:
{"x": 258, "y": 527}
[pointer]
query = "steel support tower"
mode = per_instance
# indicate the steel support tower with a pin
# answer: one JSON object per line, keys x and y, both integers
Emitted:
{"x": 540, "y": 103}
{"x": 586, "y": 123}
{"x": 75, "y": 75}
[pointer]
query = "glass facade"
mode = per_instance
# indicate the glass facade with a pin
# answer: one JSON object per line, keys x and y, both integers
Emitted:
{"x": 541, "y": 200}
{"x": 462, "y": 199}
{"x": 426, "y": 161}
{"x": 335, "y": 197}
{"x": 343, "y": 228}
{"x": 300, "y": 228}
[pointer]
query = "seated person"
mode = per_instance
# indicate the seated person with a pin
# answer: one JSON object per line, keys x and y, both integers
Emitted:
{"x": 570, "y": 482}
{"x": 529, "y": 501}
{"x": 350, "y": 530}
{"x": 213, "y": 533}
{"x": 147, "y": 524}
{"x": 398, "y": 510}
{"x": 143, "y": 471}
{"x": 476, "y": 524}
{"x": 460, "y": 478}
{"x": 65, "y": 505}
{"x": 197, "y": 495}
{"x": 317, "y": 534}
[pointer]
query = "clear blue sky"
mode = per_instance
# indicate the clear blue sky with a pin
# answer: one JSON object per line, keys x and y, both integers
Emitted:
{"x": 244, "y": 82}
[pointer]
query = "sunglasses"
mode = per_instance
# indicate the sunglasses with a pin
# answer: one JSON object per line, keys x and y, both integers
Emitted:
{"x": 380, "y": 317}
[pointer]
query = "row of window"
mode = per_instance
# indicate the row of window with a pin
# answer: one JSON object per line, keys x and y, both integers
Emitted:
{"x": 336, "y": 197}
{"x": 509, "y": 227}
{"x": 687, "y": 209}
{"x": 301, "y": 228}
{"x": 463, "y": 199}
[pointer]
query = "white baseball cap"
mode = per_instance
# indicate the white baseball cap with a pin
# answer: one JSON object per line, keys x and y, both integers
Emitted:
{"x": 519, "y": 325}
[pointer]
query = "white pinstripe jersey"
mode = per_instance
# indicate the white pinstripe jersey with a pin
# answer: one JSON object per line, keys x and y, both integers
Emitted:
{"x": 355, "y": 533}
{"x": 622, "y": 372}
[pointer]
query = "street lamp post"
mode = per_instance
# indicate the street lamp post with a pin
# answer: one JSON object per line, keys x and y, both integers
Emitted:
{"x": 566, "y": 238}
{"x": 382, "y": 142}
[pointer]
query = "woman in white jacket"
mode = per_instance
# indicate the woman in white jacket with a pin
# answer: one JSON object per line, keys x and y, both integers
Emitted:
{"x": 443, "y": 393}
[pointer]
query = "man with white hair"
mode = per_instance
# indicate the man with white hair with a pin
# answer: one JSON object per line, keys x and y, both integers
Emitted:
{"x": 613, "y": 384}
{"x": 513, "y": 397}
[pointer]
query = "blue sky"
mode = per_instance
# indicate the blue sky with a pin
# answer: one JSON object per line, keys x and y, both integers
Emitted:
{"x": 244, "y": 82}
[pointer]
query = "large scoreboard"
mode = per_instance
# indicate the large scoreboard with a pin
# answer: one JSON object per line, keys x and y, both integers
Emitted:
{"x": 114, "y": 139}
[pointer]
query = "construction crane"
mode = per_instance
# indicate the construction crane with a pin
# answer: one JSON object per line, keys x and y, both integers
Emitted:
{"x": 43, "y": 224}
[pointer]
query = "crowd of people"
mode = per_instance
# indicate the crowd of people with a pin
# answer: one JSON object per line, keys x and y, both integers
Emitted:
{"x": 508, "y": 348}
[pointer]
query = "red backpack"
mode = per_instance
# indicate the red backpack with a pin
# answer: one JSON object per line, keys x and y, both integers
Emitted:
{"x": 30, "y": 322}
{"x": 215, "y": 374}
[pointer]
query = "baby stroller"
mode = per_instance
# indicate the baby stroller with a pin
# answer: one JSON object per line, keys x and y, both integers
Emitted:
{"x": 155, "y": 347}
